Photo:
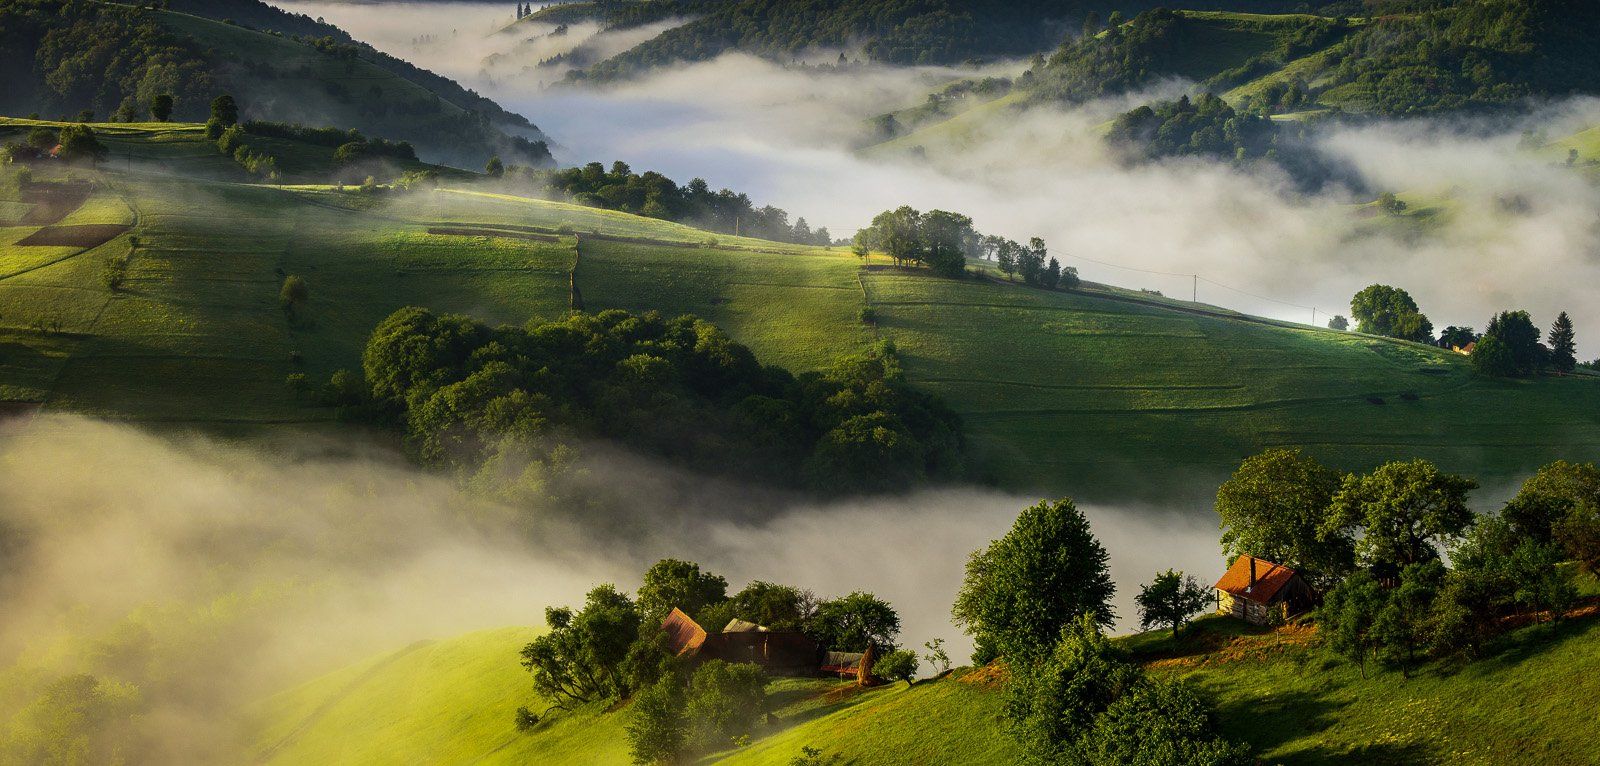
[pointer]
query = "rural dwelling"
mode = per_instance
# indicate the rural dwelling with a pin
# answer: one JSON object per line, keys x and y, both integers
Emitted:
{"x": 1261, "y": 592}
{"x": 778, "y": 652}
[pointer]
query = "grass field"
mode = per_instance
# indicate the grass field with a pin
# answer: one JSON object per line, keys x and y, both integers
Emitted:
{"x": 1280, "y": 691}
{"x": 1088, "y": 392}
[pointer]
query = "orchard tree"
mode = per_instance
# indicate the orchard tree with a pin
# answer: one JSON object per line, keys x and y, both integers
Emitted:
{"x": 1170, "y": 599}
{"x": 1022, "y": 590}
{"x": 294, "y": 292}
{"x": 1338, "y": 322}
{"x": 1563, "y": 351}
{"x": 1275, "y": 507}
{"x": 674, "y": 583}
{"x": 1403, "y": 511}
{"x": 898, "y": 665}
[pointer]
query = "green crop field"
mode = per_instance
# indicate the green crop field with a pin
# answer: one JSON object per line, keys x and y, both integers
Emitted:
{"x": 1087, "y": 392}
{"x": 1280, "y": 691}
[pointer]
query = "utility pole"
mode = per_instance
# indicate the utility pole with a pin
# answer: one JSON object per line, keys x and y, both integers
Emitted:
{"x": 1194, "y": 296}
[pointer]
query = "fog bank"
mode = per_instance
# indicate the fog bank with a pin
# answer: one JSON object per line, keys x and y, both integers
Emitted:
{"x": 210, "y": 574}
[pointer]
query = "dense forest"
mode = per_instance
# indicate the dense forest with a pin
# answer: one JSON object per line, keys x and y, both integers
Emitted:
{"x": 893, "y": 31}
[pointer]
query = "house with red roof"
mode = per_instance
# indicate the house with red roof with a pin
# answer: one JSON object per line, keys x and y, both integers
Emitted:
{"x": 1261, "y": 592}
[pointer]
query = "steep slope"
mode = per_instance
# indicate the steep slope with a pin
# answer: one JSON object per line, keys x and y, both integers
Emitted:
{"x": 1090, "y": 392}
{"x": 111, "y": 60}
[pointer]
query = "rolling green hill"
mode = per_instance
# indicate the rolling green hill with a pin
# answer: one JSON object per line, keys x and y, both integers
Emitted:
{"x": 112, "y": 59}
{"x": 1102, "y": 392}
{"x": 453, "y": 702}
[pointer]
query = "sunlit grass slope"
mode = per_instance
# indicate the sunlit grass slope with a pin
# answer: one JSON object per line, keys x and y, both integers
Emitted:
{"x": 1100, "y": 392}
{"x": 453, "y": 702}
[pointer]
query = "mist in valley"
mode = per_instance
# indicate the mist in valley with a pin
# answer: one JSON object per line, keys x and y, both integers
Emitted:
{"x": 1506, "y": 219}
{"x": 198, "y": 576}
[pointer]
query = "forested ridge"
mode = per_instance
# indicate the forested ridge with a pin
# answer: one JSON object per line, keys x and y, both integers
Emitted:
{"x": 94, "y": 61}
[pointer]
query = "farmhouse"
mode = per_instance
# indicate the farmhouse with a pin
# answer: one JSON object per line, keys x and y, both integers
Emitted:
{"x": 1260, "y": 592}
{"x": 778, "y": 652}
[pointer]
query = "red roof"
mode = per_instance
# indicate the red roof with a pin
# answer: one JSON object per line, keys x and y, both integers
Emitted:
{"x": 1269, "y": 579}
{"x": 685, "y": 634}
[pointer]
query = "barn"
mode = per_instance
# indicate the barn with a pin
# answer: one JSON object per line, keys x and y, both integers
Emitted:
{"x": 1261, "y": 592}
{"x": 778, "y": 652}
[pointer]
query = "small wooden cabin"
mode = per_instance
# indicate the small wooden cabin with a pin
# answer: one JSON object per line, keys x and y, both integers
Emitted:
{"x": 1261, "y": 592}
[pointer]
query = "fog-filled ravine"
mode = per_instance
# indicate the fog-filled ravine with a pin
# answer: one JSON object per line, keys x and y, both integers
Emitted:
{"x": 1512, "y": 218}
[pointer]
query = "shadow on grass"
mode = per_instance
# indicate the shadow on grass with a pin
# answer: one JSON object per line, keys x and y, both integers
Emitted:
{"x": 1271, "y": 722}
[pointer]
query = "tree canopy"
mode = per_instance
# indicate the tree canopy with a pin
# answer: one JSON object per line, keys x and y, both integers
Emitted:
{"x": 1390, "y": 311}
{"x": 1275, "y": 507}
{"x": 1023, "y": 589}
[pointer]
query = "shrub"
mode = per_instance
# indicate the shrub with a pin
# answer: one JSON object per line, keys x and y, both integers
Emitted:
{"x": 725, "y": 701}
{"x": 898, "y": 665}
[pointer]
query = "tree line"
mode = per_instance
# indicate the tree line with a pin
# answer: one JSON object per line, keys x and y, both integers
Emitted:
{"x": 654, "y": 195}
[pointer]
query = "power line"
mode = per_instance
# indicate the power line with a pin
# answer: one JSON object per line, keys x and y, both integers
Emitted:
{"x": 1195, "y": 294}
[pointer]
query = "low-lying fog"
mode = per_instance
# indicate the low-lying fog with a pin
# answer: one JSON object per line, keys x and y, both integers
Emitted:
{"x": 1519, "y": 230}
{"x": 210, "y": 574}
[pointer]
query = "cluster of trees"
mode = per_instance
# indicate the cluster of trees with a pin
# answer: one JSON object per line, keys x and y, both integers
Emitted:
{"x": 614, "y": 648}
{"x": 1039, "y": 597}
{"x": 78, "y": 144}
{"x": 943, "y": 241}
{"x": 938, "y": 239}
{"x": 657, "y": 196}
{"x": 1204, "y": 127}
{"x": 1390, "y": 312}
{"x": 1373, "y": 542}
{"x": 505, "y": 405}
{"x": 1510, "y": 346}
{"x": 1032, "y": 262}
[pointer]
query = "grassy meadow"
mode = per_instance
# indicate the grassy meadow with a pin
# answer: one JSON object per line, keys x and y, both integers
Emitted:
{"x": 1279, "y": 690}
{"x": 1087, "y": 392}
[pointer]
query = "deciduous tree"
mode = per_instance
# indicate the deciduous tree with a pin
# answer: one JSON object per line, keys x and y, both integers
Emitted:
{"x": 1170, "y": 599}
{"x": 1023, "y": 589}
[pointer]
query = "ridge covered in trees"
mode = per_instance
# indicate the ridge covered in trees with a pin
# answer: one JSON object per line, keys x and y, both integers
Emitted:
{"x": 114, "y": 62}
